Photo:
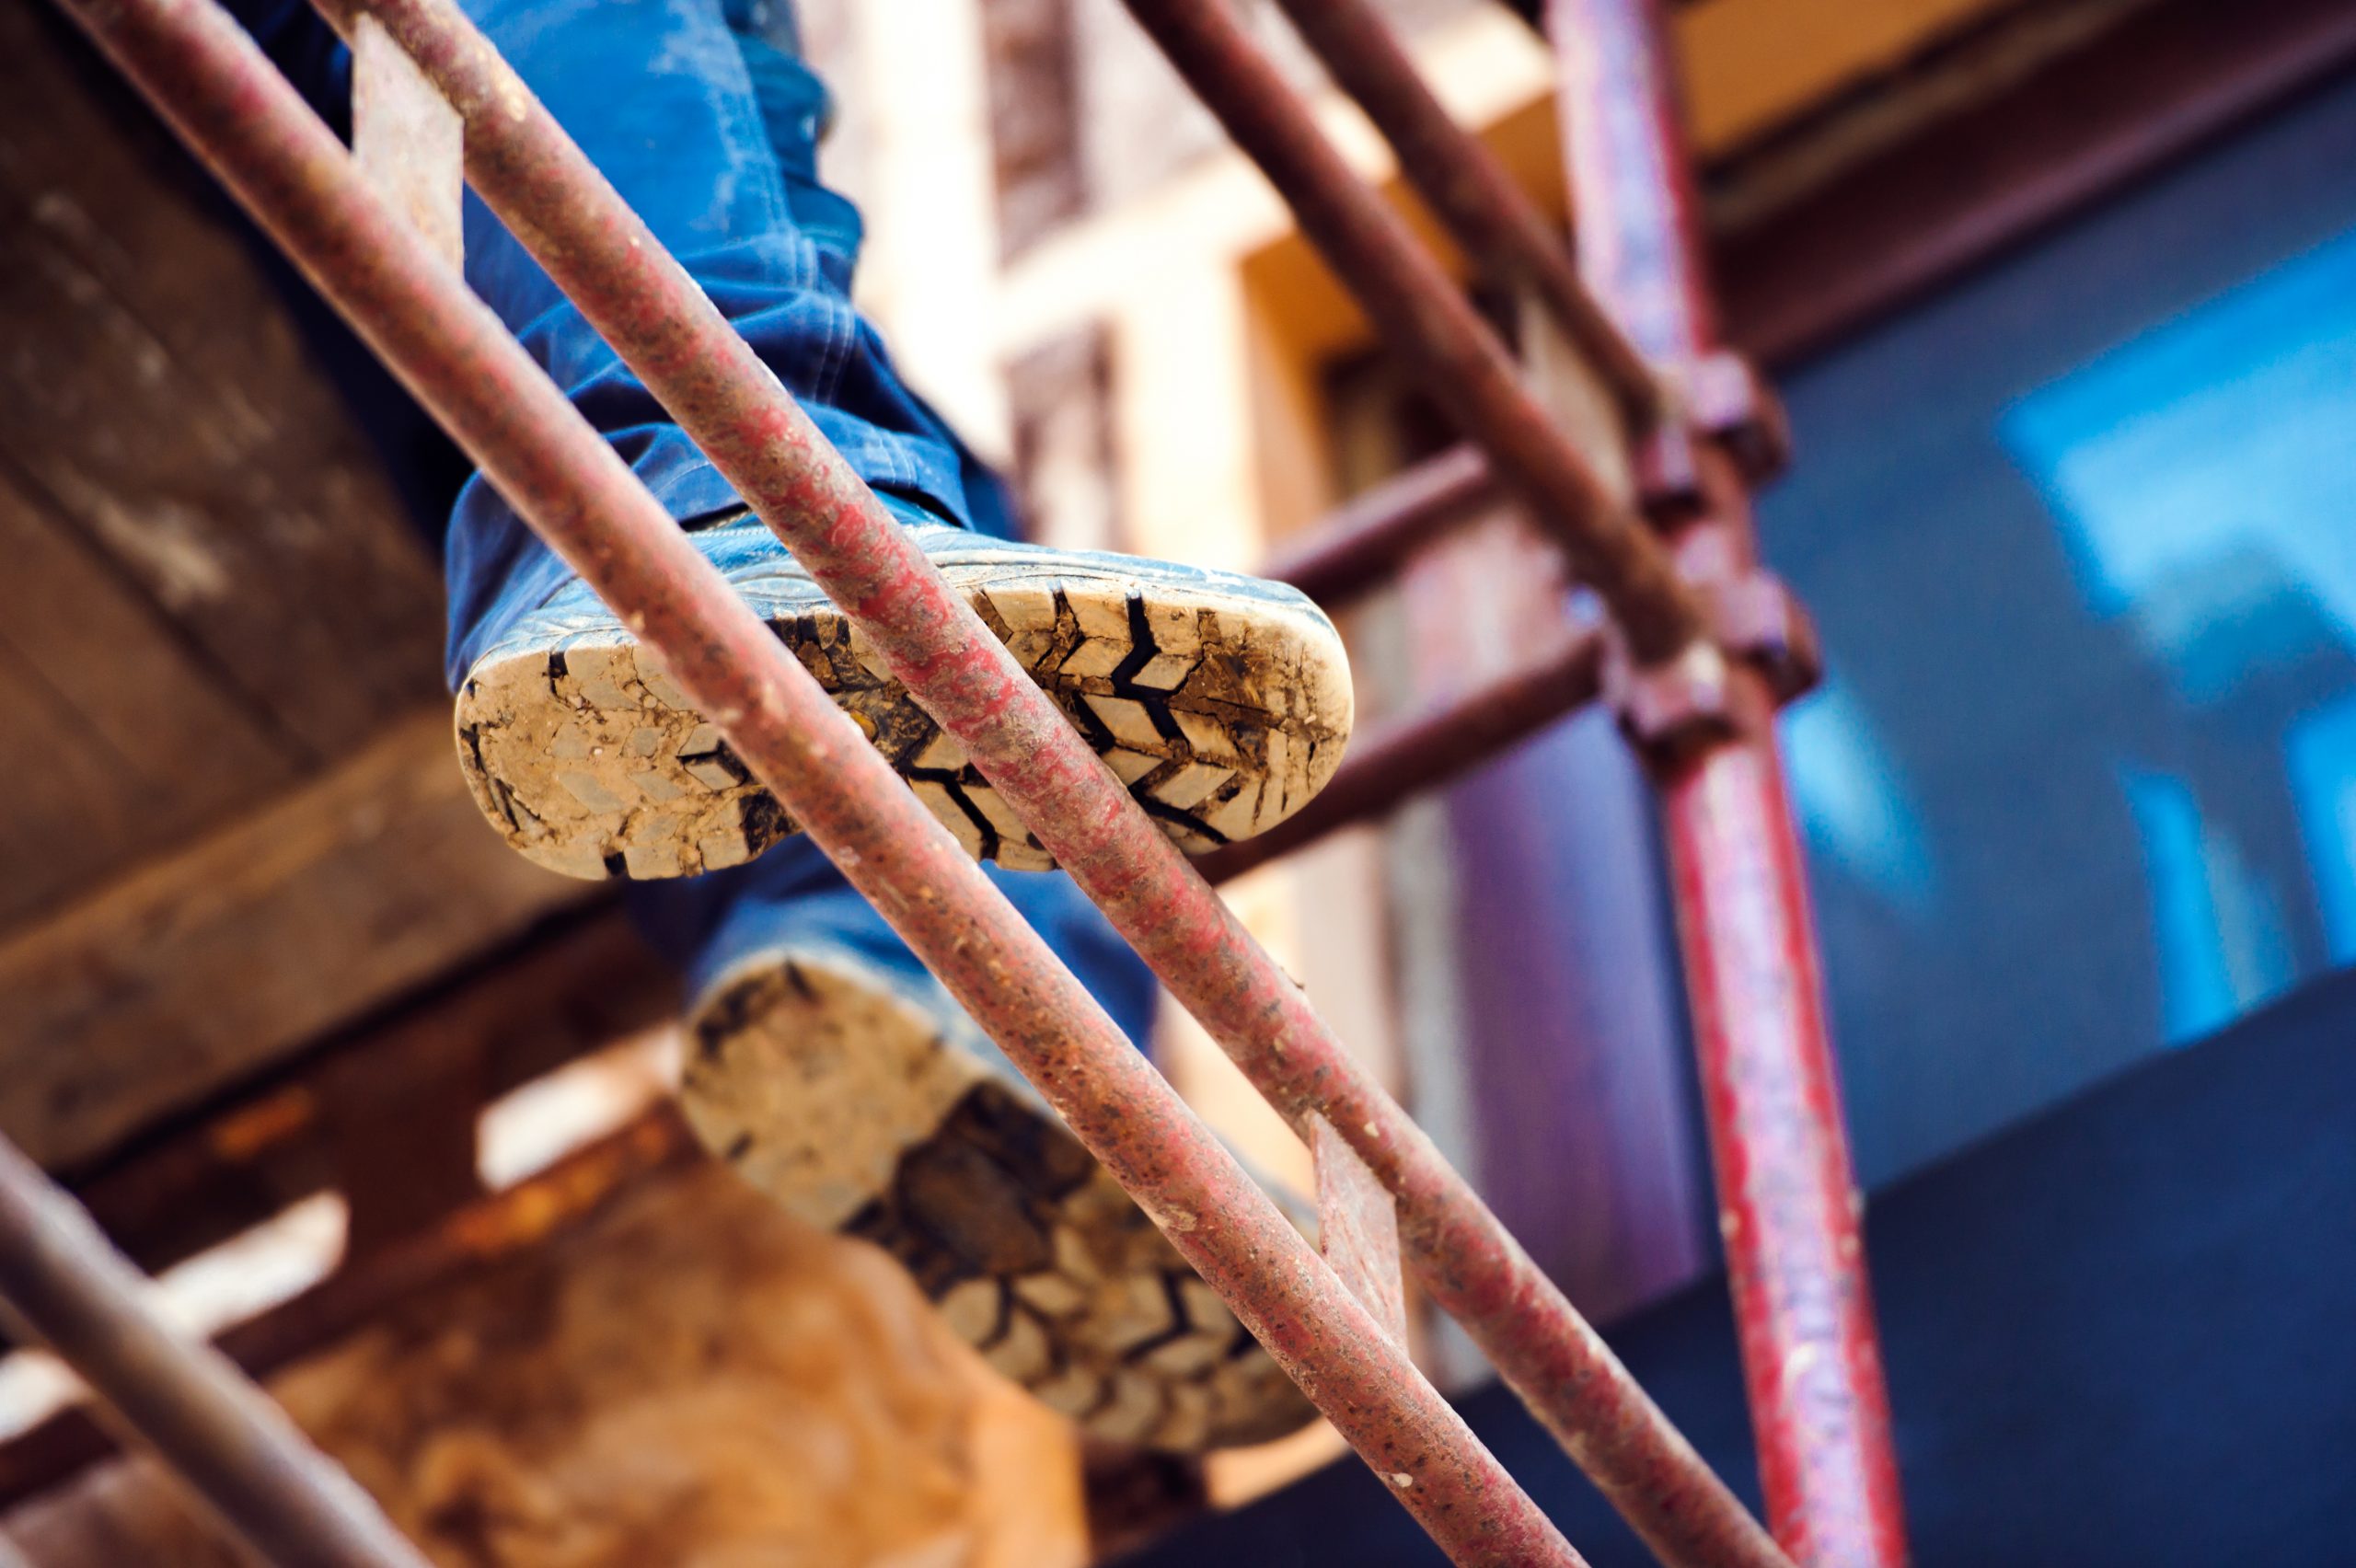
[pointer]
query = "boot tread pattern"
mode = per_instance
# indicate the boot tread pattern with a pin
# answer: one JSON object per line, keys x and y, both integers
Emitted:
{"x": 848, "y": 1107}
{"x": 1221, "y": 709}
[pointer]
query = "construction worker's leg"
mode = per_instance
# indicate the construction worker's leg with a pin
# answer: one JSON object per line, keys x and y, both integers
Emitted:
{"x": 659, "y": 94}
{"x": 830, "y": 1070}
{"x": 825, "y": 1063}
{"x": 590, "y": 766}
{"x": 1222, "y": 701}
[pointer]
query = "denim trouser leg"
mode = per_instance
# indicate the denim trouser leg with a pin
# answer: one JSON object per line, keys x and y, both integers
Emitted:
{"x": 710, "y": 133}
{"x": 716, "y": 147}
{"x": 793, "y": 897}
{"x": 659, "y": 94}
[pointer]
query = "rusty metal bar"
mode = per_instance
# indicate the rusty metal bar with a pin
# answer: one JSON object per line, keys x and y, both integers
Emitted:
{"x": 1787, "y": 1196}
{"x": 1357, "y": 547}
{"x": 500, "y": 1226}
{"x": 241, "y": 1454}
{"x": 663, "y": 325}
{"x": 1411, "y": 755}
{"x": 1470, "y": 191}
{"x": 211, "y": 81}
{"x": 1789, "y": 1207}
{"x": 1424, "y": 318}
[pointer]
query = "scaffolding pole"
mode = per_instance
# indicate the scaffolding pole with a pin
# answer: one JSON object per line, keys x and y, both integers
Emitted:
{"x": 1359, "y": 545}
{"x": 1789, "y": 1207}
{"x": 245, "y": 1460}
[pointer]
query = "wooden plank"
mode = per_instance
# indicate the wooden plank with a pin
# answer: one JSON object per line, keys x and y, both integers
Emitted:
{"x": 123, "y": 747}
{"x": 154, "y": 392}
{"x": 495, "y": 1227}
{"x": 406, "y": 138}
{"x": 567, "y": 988}
{"x": 67, "y": 810}
{"x": 199, "y": 970}
{"x": 1358, "y": 1227}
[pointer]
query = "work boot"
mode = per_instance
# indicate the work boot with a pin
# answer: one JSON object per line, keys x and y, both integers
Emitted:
{"x": 864, "y": 1100}
{"x": 1222, "y": 701}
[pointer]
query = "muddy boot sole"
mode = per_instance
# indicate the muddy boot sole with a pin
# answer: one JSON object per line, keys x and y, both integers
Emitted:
{"x": 1222, "y": 702}
{"x": 844, "y": 1102}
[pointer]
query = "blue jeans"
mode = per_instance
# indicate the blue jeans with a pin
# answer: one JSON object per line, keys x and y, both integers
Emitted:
{"x": 708, "y": 124}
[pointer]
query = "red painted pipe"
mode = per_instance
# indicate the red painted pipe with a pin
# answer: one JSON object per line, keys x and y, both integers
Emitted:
{"x": 652, "y": 312}
{"x": 1788, "y": 1203}
{"x": 1424, "y": 318}
{"x": 1470, "y": 191}
{"x": 1360, "y": 544}
{"x": 1411, "y": 755}
{"x": 1787, "y": 1197}
{"x": 245, "y": 121}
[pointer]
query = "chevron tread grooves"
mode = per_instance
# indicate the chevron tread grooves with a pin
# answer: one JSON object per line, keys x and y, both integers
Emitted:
{"x": 591, "y": 762}
{"x": 843, "y": 1103}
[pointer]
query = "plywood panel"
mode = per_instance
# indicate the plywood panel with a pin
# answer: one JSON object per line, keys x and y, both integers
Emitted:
{"x": 206, "y": 966}
{"x": 154, "y": 394}
{"x": 66, "y": 807}
{"x": 120, "y": 745}
{"x": 573, "y": 986}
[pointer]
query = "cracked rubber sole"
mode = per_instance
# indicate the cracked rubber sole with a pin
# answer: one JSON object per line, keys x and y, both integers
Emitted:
{"x": 1223, "y": 703}
{"x": 845, "y": 1103}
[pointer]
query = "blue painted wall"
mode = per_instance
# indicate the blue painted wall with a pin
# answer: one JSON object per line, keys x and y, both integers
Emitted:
{"x": 2081, "y": 538}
